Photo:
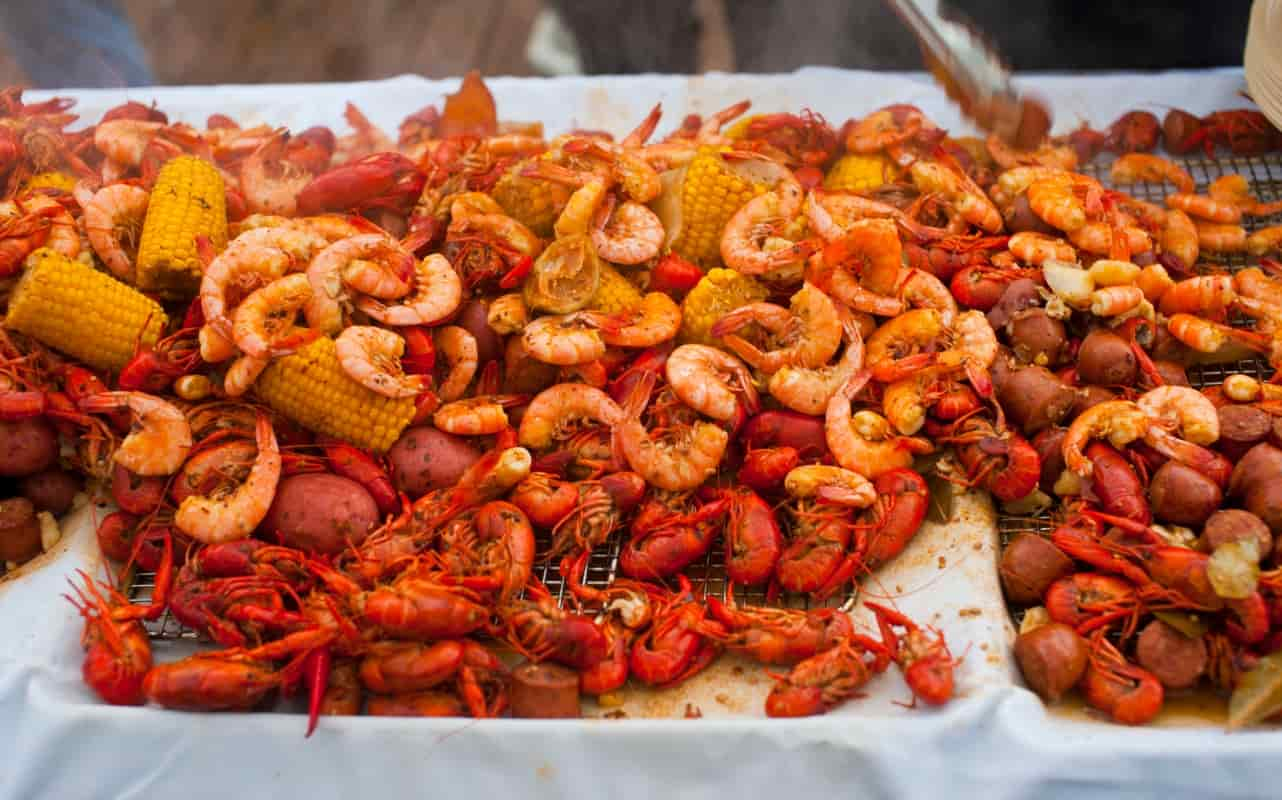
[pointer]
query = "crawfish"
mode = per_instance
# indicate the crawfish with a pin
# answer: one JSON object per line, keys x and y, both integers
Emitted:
{"x": 669, "y": 533}
{"x": 1128, "y": 693}
{"x": 827, "y": 679}
{"x": 537, "y": 628}
{"x": 154, "y": 369}
{"x": 921, "y": 653}
{"x": 820, "y": 535}
{"x": 995, "y": 457}
{"x": 676, "y": 646}
{"x": 776, "y": 635}
{"x": 623, "y": 610}
{"x": 117, "y": 649}
{"x": 420, "y": 604}
{"x": 599, "y": 512}
{"x": 491, "y": 548}
{"x": 753, "y": 540}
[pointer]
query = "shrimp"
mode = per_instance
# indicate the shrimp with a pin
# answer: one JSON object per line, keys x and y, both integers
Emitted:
{"x": 436, "y": 294}
{"x": 1014, "y": 182}
{"x": 263, "y": 323}
{"x": 1183, "y": 411}
{"x": 508, "y": 314}
{"x": 920, "y": 289}
{"x": 581, "y": 209}
{"x": 496, "y": 226}
{"x": 565, "y": 340}
{"x": 750, "y": 242}
{"x": 1206, "y": 336}
{"x": 710, "y": 381}
{"x": 269, "y": 181}
{"x": 476, "y": 416}
{"x": 682, "y": 458}
{"x": 125, "y": 140}
{"x": 1097, "y": 238}
{"x": 160, "y": 439}
{"x": 558, "y": 411}
{"x": 1148, "y": 168}
{"x": 1036, "y": 248}
{"x": 372, "y": 357}
{"x": 236, "y": 272}
{"x": 1179, "y": 237}
{"x": 1233, "y": 189}
{"x": 867, "y": 257}
{"x": 1206, "y": 295}
{"x": 808, "y": 391}
{"x": 836, "y": 485}
{"x": 639, "y": 181}
{"x": 1112, "y": 301}
{"x": 965, "y": 198}
{"x": 225, "y": 517}
{"x": 628, "y": 234}
{"x": 864, "y": 442}
{"x": 1119, "y": 421}
{"x": 655, "y": 322}
{"x": 366, "y": 138}
{"x": 830, "y": 214}
{"x": 1061, "y": 157}
{"x": 1264, "y": 240}
{"x": 242, "y": 373}
{"x": 459, "y": 349}
{"x": 64, "y": 237}
{"x": 1252, "y": 282}
{"x": 887, "y": 128}
{"x": 909, "y": 333}
{"x": 214, "y": 346}
{"x": 906, "y": 400}
{"x": 1205, "y": 208}
{"x": 1221, "y": 238}
{"x": 327, "y": 273}
{"x": 1055, "y": 199}
{"x": 808, "y": 332}
{"x": 113, "y": 218}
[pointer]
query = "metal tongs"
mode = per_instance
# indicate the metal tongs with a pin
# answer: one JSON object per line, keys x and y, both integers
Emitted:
{"x": 974, "y": 75}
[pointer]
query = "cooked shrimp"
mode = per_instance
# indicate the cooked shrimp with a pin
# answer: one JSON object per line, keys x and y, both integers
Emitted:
{"x": 1207, "y": 295}
{"x": 886, "y": 128}
{"x": 656, "y": 321}
{"x": 1148, "y": 168}
{"x": 627, "y": 234}
{"x": 263, "y": 323}
{"x": 365, "y": 138}
{"x": 1056, "y": 200}
{"x": 808, "y": 390}
{"x": 633, "y": 173}
{"x": 836, "y": 485}
{"x": 867, "y": 257}
{"x": 235, "y": 273}
{"x": 214, "y": 519}
{"x": 380, "y": 278}
{"x": 1206, "y": 336}
{"x": 559, "y": 411}
{"x": 1252, "y": 282}
{"x": 1205, "y": 208}
{"x": 909, "y": 333}
{"x": 476, "y": 416}
{"x": 750, "y": 242}
{"x": 566, "y": 339}
{"x": 1221, "y": 238}
{"x": 333, "y": 227}
{"x": 64, "y": 237}
{"x": 124, "y": 140}
{"x": 1119, "y": 421}
{"x": 497, "y": 226}
{"x": 113, "y": 218}
{"x": 269, "y": 181}
{"x": 1112, "y": 301}
{"x": 865, "y": 442}
{"x": 1179, "y": 237}
{"x": 214, "y": 346}
{"x": 326, "y": 272}
{"x": 682, "y": 458}
{"x": 1235, "y": 190}
{"x": 436, "y": 294}
{"x": 160, "y": 439}
{"x": 1264, "y": 240}
{"x": 372, "y": 357}
{"x": 807, "y": 333}
{"x": 710, "y": 381}
{"x": 581, "y": 209}
{"x": 508, "y": 314}
{"x": 459, "y": 349}
{"x": 242, "y": 373}
{"x": 1014, "y": 182}
{"x": 961, "y": 194}
{"x": 1097, "y": 238}
{"x": 830, "y": 214}
{"x": 906, "y": 401}
{"x": 1183, "y": 411}
{"x": 1048, "y": 155}
{"x": 1035, "y": 248}
{"x": 920, "y": 289}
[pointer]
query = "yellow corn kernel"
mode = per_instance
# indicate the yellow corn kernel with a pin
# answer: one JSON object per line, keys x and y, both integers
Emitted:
{"x": 187, "y": 201}
{"x": 311, "y": 388}
{"x": 51, "y": 180}
{"x": 89, "y": 315}
{"x": 710, "y": 195}
{"x": 532, "y": 202}
{"x": 717, "y": 294}
{"x": 615, "y": 293}
{"x": 859, "y": 173}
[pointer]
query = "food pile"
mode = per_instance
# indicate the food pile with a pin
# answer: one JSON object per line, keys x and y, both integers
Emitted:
{"x": 347, "y": 391}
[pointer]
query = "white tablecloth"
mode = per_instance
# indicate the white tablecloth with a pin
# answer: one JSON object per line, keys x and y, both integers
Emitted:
{"x": 995, "y": 741}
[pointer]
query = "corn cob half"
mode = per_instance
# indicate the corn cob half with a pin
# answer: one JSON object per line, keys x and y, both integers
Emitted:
{"x": 532, "y": 202}
{"x": 718, "y": 293}
{"x": 187, "y": 201}
{"x": 615, "y": 293}
{"x": 310, "y": 388}
{"x": 86, "y": 314}
{"x": 51, "y": 180}
{"x": 859, "y": 173}
{"x": 710, "y": 194}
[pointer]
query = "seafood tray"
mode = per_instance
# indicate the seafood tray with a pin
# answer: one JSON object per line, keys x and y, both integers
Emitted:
{"x": 993, "y": 740}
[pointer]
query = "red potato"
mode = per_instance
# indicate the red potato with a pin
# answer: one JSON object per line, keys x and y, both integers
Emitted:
{"x": 1035, "y": 398}
{"x": 1182, "y": 495}
{"x": 473, "y": 317}
{"x": 424, "y": 459}
{"x": 1106, "y": 359}
{"x": 1037, "y": 337}
{"x": 1232, "y": 524}
{"x": 27, "y": 446}
{"x": 1019, "y": 295}
{"x": 19, "y": 530}
{"x": 320, "y": 512}
{"x": 1030, "y": 564}
{"x": 1255, "y": 480}
{"x": 52, "y": 490}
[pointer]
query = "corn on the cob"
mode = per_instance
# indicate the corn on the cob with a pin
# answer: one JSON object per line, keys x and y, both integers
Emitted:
{"x": 310, "y": 388}
{"x": 187, "y": 201}
{"x": 717, "y": 294}
{"x": 51, "y": 180}
{"x": 859, "y": 173}
{"x": 615, "y": 293}
{"x": 532, "y": 202}
{"x": 86, "y": 314}
{"x": 710, "y": 195}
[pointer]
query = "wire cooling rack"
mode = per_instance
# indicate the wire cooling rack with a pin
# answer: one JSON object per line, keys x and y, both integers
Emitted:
{"x": 708, "y": 575}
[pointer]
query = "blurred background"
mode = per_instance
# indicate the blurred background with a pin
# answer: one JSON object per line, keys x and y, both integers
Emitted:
{"x": 80, "y": 43}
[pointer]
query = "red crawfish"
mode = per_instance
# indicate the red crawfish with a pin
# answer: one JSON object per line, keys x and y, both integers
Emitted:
{"x": 995, "y": 457}
{"x": 764, "y": 469}
{"x": 670, "y": 532}
{"x": 624, "y": 609}
{"x": 379, "y": 180}
{"x": 540, "y": 630}
{"x": 490, "y": 549}
{"x": 676, "y": 646}
{"x": 154, "y": 369}
{"x": 776, "y": 635}
{"x": 753, "y": 539}
{"x": 827, "y": 679}
{"x": 419, "y": 604}
{"x": 922, "y": 655}
{"x": 358, "y": 465}
{"x": 1128, "y": 693}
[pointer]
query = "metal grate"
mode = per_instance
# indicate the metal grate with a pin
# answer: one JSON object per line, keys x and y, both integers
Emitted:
{"x": 708, "y": 574}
